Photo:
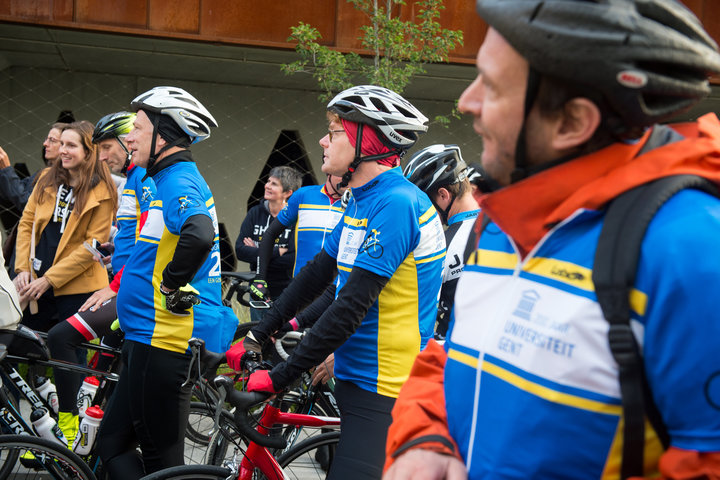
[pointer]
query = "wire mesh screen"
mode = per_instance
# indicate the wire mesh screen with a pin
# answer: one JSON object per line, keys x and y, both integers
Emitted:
{"x": 259, "y": 128}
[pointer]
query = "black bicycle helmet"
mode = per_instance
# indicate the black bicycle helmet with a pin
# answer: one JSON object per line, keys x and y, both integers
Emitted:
{"x": 649, "y": 58}
{"x": 113, "y": 125}
{"x": 436, "y": 166}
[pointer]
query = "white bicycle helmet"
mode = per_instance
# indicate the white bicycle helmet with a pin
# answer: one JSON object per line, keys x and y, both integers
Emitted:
{"x": 436, "y": 166}
{"x": 395, "y": 118}
{"x": 187, "y": 112}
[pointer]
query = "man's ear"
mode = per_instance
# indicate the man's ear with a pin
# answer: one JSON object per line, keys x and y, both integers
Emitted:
{"x": 578, "y": 123}
{"x": 159, "y": 143}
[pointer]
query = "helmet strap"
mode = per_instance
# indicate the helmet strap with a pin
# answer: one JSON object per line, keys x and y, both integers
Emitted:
{"x": 359, "y": 158}
{"x": 128, "y": 156}
{"x": 335, "y": 192}
{"x": 154, "y": 157}
{"x": 521, "y": 162}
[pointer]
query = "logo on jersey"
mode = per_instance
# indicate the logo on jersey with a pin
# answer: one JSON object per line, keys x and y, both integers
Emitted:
{"x": 526, "y": 304}
{"x": 186, "y": 203}
{"x": 147, "y": 195}
{"x": 372, "y": 245}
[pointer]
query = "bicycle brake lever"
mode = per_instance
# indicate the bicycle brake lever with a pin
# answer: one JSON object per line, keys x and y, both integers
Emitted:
{"x": 195, "y": 359}
{"x": 218, "y": 409}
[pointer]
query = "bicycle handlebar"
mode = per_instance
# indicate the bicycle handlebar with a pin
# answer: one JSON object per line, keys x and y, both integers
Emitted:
{"x": 239, "y": 286}
{"x": 243, "y": 401}
{"x": 293, "y": 336}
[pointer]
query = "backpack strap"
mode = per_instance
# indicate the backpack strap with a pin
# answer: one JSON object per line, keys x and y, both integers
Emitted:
{"x": 616, "y": 261}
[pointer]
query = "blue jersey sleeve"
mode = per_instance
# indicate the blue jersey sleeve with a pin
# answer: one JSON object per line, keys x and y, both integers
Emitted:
{"x": 289, "y": 214}
{"x": 678, "y": 274}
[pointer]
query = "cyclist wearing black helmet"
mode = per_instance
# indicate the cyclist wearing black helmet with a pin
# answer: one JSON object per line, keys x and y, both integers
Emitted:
{"x": 95, "y": 317}
{"x": 387, "y": 250}
{"x": 170, "y": 290}
{"x": 440, "y": 172}
{"x": 567, "y": 101}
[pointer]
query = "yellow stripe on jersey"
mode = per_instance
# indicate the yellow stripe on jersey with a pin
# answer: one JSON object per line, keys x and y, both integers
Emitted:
{"x": 550, "y": 394}
{"x": 171, "y": 331}
{"x": 355, "y": 222}
{"x": 433, "y": 258}
{"x": 156, "y": 203}
{"x": 398, "y": 334}
{"x": 638, "y": 301}
{"x": 427, "y": 215}
{"x": 558, "y": 270}
{"x": 653, "y": 451}
{"x": 490, "y": 258}
{"x": 463, "y": 358}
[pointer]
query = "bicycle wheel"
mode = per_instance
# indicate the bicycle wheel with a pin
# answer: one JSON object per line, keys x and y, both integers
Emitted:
{"x": 39, "y": 457}
{"x": 199, "y": 431}
{"x": 311, "y": 458}
{"x": 191, "y": 472}
{"x": 8, "y": 458}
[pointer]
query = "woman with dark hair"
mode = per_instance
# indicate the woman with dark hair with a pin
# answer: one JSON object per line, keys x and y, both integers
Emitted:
{"x": 72, "y": 202}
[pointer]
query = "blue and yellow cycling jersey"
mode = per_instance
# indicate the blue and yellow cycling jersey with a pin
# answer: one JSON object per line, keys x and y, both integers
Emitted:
{"x": 531, "y": 386}
{"x": 181, "y": 194}
{"x": 134, "y": 203}
{"x": 389, "y": 228}
{"x": 316, "y": 214}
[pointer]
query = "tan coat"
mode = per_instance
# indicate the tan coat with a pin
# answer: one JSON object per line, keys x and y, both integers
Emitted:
{"x": 73, "y": 270}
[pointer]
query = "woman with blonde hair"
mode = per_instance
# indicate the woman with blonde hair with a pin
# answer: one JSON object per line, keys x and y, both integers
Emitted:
{"x": 73, "y": 201}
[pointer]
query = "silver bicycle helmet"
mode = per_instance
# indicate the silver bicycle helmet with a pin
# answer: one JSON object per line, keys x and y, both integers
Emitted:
{"x": 649, "y": 58}
{"x": 436, "y": 166}
{"x": 187, "y": 112}
{"x": 395, "y": 118}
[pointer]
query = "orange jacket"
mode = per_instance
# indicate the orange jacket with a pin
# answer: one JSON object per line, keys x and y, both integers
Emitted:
{"x": 588, "y": 182}
{"x": 73, "y": 270}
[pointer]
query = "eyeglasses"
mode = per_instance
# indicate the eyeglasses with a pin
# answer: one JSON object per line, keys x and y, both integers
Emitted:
{"x": 52, "y": 140}
{"x": 330, "y": 133}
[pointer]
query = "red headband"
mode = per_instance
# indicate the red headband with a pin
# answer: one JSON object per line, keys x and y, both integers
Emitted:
{"x": 371, "y": 143}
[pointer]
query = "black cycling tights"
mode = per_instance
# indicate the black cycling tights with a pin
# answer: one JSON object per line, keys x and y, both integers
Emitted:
{"x": 149, "y": 408}
{"x": 365, "y": 419}
{"x": 64, "y": 338}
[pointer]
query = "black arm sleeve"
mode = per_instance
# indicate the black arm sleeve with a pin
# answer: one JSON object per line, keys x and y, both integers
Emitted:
{"x": 310, "y": 315}
{"x": 304, "y": 288}
{"x": 447, "y": 298}
{"x": 193, "y": 247}
{"x": 15, "y": 189}
{"x": 334, "y": 327}
{"x": 242, "y": 251}
{"x": 265, "y": 250}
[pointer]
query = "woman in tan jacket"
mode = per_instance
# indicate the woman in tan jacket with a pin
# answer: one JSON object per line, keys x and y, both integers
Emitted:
{"x": 74, "y": 201}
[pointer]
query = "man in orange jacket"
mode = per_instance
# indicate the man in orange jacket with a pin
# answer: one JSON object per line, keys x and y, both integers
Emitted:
{"x": 567, "y": 100}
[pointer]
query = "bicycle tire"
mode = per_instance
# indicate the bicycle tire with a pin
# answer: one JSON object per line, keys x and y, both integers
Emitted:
{"x": 311, "y": 458}
{"x": 191, "y": 472}
{"x": 46, "y": 457}
{"x": 198, "y": 433}
{"x": 8, "y": 459}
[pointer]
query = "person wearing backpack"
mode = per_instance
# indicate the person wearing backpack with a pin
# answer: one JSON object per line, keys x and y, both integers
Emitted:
{"x": 567, "y": 101}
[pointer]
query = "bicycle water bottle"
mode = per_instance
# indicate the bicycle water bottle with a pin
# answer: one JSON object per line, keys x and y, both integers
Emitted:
{"x": 46, "y": 389}
{"x": 86, "y": 393}
{"x": 46, "y": 427}
{"x": 87, "y": 431}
